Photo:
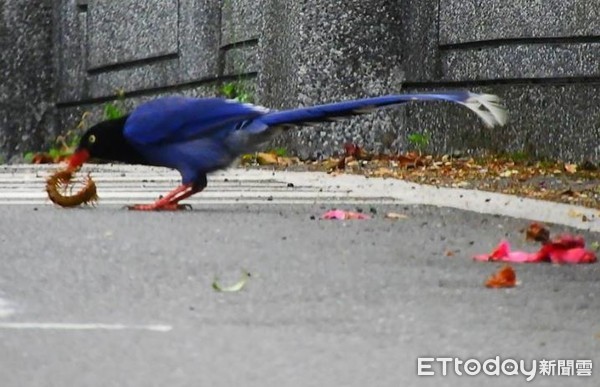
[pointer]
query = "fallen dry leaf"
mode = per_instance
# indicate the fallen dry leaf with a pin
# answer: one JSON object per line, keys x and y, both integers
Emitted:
{"x": 266, "y": 158}
{"x": 395, "y": 216}
{"x": 409, "y": 160}
{"x": 503, "y": 278}
{"x": 537, "y": 232}
{"x": 575, "y": 214}
{"x": 287, "y": 161}
{"x": 383, "y": 172}
{"x": 571, "y": 168}
{"x": 353, "y": 150}
{"x": 544, "y": 180}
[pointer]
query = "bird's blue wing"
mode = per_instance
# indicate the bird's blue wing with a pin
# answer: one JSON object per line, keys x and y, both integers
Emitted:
{"x": 178, "y": 119}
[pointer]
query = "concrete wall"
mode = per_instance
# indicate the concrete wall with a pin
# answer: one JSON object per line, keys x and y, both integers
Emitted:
{"x": 70, "y": 56}
{"x": 27, "y": 114}
{"x": 541, "y": 57}
{"x": 317, "y": 52}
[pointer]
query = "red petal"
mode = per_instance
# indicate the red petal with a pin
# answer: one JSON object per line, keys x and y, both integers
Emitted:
{"x": 501, "y": 251}
{"x": 568, "y": 241}
{"x": 574, "y": 255}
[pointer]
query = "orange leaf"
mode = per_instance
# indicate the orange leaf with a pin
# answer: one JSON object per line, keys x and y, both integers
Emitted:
{"x": 504, "y": 278}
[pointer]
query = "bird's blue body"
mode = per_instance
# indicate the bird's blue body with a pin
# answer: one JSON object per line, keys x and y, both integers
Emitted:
{"x": 188, "y": 134}
{"x": 200, "y": 135}
{"x": 197, "y": 136}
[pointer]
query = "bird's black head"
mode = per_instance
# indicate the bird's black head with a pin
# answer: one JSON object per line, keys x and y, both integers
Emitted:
{"x": 105, "y": 141}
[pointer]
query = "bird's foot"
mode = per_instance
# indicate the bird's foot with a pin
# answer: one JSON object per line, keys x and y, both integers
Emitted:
{"x": 162, "y": 207}
{"x": 170, "y": 202}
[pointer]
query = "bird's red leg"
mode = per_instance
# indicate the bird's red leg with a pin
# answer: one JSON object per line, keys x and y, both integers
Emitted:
{"x": 185, "y": 195}
{"x": 170, "y": 201}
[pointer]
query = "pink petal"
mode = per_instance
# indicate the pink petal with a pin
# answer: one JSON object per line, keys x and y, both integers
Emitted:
{"x": 502, "y": 253}
{"x": 334, "y": 214}
{"x": 564, "y": 249}
{"x": 522, "y": 257}
{"x": 342, "y": 215}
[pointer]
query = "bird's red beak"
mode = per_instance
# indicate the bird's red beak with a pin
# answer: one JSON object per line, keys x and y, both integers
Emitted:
{"x": 77, "y": 159}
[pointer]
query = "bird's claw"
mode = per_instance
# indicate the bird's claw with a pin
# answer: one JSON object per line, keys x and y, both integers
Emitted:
{"x": 165, "y": 207}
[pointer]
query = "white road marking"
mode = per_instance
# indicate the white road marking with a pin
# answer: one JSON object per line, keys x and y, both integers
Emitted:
{"x": 6, "y": 309}
{"x": 83, "y": 327}
{"x": 125, "y": 184}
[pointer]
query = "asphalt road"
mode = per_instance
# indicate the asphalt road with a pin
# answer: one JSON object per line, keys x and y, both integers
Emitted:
{"x": 106, "y": 297}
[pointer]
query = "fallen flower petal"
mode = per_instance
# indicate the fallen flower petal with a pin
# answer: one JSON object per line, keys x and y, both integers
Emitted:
{"x": 573, "y": 255}
{"x": 344, "y": 215}
{"x": 568, "y": 241}
{"x": 500, "y": 252}
{"x": 564, "y": 249}
{"x": 567, "y": 249}
{"x": 504, "y": 278}
{"x": 522, "y": 257}
{"x": 503, "y": 253}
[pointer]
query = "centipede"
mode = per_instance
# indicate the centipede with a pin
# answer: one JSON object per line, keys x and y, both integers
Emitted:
{"x": 60, "y": 187}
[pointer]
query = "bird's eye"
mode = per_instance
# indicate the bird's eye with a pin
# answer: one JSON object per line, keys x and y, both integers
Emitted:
{"x": 92, "y": 139}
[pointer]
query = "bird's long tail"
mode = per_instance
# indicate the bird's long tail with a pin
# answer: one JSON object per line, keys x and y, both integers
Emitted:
{"x": 486, "y": 106}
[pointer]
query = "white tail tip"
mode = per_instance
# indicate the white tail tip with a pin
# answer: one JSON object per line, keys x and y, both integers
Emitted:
{"x": 488, "y": 108}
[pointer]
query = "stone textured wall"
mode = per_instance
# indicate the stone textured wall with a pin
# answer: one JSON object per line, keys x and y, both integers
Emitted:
{"x": 26, "y": 76}
{"x": 65, "y": 57}
{"x": 319, "y": 52}
{"x": 140, "y": 46}
{"x": 541, "y": 57}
